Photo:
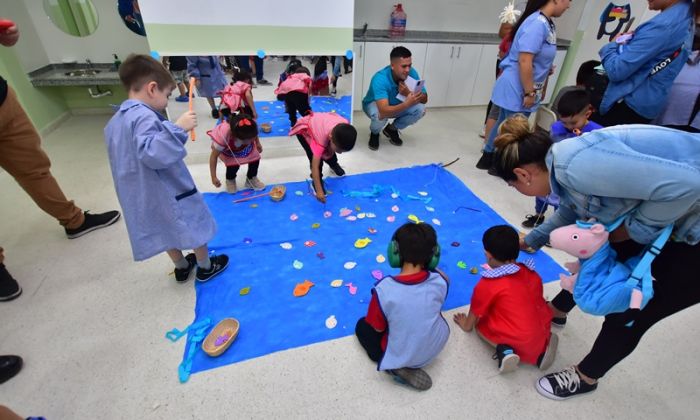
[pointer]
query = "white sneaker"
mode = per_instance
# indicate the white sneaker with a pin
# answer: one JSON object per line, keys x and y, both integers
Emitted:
{"x": 231, "y": 186}
{"x": 254, "y": 183}
{"x": 482, "y": 133}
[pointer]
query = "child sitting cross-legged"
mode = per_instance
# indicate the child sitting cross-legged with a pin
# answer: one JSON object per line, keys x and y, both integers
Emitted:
{"x": 236, "y": 143}
{"x": 507, "y": 306}
{"x": 404, "y": 329}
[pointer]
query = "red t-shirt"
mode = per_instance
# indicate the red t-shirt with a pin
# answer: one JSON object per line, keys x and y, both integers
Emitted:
{"x": 512, "y": 311}
{"x": 375, "y": 317}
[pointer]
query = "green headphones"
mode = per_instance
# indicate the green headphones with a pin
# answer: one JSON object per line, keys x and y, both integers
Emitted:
{"x": 394, "y": 257}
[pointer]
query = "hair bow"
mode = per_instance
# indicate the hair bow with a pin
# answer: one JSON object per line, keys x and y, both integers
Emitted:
{"x": 244, "y": 121}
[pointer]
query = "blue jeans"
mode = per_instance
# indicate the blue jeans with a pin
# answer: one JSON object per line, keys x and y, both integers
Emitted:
{"x": 502, "y": 116}
{"x": 401, "y": 121}
{"x": 541, "y": 203}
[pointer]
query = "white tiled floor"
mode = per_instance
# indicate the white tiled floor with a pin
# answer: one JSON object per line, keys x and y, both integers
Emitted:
{"x": 90, "y": 323}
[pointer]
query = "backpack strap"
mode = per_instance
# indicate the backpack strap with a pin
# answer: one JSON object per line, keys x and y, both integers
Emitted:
{"x": 641, "y": 274}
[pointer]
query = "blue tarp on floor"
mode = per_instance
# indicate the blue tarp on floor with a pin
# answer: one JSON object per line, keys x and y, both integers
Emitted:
{"x": 272, "y": 112}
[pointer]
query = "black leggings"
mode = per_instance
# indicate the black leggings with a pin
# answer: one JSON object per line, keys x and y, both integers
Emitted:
{"x": 370, "y": 339}
{"x": 677, "y": 287}
{"x": 231, "y": 171}
{"x": 619, "y": 114}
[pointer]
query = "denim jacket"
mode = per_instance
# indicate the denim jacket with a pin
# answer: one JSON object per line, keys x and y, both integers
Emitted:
{"x": 629, "y": 71}
{"x": 649, "y": 173}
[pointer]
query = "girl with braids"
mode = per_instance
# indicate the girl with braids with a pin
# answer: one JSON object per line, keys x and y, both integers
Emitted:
{"x": 650, "y": 174}
{"x": 527, "y": 65}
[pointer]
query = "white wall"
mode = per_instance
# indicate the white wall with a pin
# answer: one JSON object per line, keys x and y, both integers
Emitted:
{"x": 32, "y": 54}
{"x": 111, "y": 36}
{"x": 452, "y": 15}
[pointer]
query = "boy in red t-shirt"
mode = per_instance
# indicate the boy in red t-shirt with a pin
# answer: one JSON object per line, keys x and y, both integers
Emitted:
{"x": 507, "y": 306}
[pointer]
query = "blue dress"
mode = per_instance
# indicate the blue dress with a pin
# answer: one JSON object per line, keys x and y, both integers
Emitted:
{"x": 207, "y": 69}
{"x": 161, "y": 205}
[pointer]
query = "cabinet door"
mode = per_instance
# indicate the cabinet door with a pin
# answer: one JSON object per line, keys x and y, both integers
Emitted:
{"x": 358, "y": 64}
{"x": 552, "y": 83}
{"x": 465, "y": 66}
{"x": 417, "y": 55}
{"x": 438, "y": 64}
{"x": 485, "y": 76}
{"x": 376, "y": 58}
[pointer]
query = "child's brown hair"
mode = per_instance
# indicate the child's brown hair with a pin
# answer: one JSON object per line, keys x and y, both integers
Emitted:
{"x": 140, "y": 69}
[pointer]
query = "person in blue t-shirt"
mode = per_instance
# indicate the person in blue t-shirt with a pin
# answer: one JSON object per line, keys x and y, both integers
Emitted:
{"x": 526, "y": 67}
{"x": 574, "y": 109}
{"x": 381, "y": 102}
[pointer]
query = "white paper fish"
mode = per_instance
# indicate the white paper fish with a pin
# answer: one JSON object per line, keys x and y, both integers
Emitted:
{"x": 350, "y": 265}
{"x": 286, "y": 245}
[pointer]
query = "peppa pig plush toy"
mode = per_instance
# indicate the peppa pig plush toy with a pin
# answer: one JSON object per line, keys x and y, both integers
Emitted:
{"x": 601, "y": 285}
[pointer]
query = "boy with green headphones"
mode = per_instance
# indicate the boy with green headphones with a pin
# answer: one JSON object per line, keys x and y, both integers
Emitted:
{"x": 404, "y": 329}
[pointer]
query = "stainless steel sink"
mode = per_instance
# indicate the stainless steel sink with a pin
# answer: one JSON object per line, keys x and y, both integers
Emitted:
{"x": 82, "y": 73}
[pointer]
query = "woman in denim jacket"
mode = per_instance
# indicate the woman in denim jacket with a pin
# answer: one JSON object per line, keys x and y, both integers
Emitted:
{"x": 652, "y": 175}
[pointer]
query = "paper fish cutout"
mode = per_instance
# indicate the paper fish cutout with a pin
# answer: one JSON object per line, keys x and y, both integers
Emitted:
{"x": 244, "y": 291}
{"x": 350, "y": 265}
{"x": 327, "y": 214}
{"x": 286, "y": 245}
{"x": 309, "y": 243}
{"x": 430, "y": 209}
{"x": 462, "y": 265}
{"x": 474, "y": 270}
{"x": 298, "y": 264}
{"x": 247, "y": 241}
{"x": 344, "y": 212}
{"x": 395, "y": 209}
{"x": 357, "y": 208}
{"x": 302, "y": 288}
{"x": 377, "y": 274}
{"x": 455, "y": 244}
{"x": 351, "y": 218}
{"x": 352, "y": 288}
{"x": 371, "y": 215}
{"x": 293, "y": 217}
{"x": 422, "y": 193}
{"x": 372, "y": 230}
{"x": 253, "y": 206}
{"x": 331, "y": 322}
{"x": 414, "y": 218}
{"x": 321, "y": 256}
{"x": 315, "y": 226}
{"x": 299, "y": 193}
{"x": 361, "y": 215}
{"x": 362, "y": 243}
{"x": 336, "y": 283}
{"x": 222, "y": 338}
{"x": 380, "y": 258}
{"x": 390, "y": 219}
{"x": 437, "y": 222}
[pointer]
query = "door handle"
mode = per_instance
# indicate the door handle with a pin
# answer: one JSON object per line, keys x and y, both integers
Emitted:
{"x": 459, "y": 51}
{"x": 452, "y": 53}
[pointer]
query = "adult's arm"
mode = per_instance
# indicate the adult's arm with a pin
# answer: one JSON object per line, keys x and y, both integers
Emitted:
{"x": 644, "y": 46}
{"x": 525, "y": 71}
{"x": 390, "y": 111}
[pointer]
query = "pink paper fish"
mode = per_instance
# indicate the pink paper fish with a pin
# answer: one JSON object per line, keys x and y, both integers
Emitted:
{"x": 309, "y": 243}
{"x": 377, "y": 274}
{"x": 351, "y": 288}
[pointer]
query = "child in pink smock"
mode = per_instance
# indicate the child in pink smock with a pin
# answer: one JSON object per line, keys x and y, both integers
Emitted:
{"x": 237, "y": 98}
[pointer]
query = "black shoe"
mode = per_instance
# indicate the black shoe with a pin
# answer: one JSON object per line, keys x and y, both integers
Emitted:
{"x": 93, "y": 222}
{"x": 9, "y": 288}
{"x": 486, "y": 161}
{"x": 183, "y": 274}
{"x": 9, "y": 367}
{"x": 215, "y": 113}
{"x": 264, "y": 82}
{"x": 416, "y": 378}
{"x": 337, "y": 169}
{"x": 218, "y": 264}
{"x": 559, "y": 322}
{"x": 533, "y": 220}
{"x": 393, "y": 134}
{"x": 373, "y": 141}
{"x": 563, "y": 385}
{"x": 507, "y": 358}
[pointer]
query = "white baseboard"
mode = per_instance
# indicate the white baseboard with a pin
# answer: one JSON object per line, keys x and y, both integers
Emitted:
{"x": 53, "y": 125}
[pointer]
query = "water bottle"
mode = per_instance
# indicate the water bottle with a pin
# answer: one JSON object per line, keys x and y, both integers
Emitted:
{"x": 397, "y": 22}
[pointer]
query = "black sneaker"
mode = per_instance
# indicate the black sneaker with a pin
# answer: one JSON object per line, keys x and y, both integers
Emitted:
{"x": 215, "y": 114}
{"x": 93, "y": 222}
{"x": 486, "y": 161}
{"x": 416, "y": 378}
{"x": 507, "y": 358}
{"x": 218, "y": 264}
{"x": 559, "y": 322}
{"x": 373, "y": 141}
{"x": 533, "y": 220}
{"x": 264, "y": 82}
{"x": 563, "y": 385}
{"x": 9, "y": 288}
{"x": 183, "y": 274}
{"x": 9, "y": 367}
{"x": 337, "y": 169}
{"x": 393, "y": 134}
{"x": 547, "y": 358}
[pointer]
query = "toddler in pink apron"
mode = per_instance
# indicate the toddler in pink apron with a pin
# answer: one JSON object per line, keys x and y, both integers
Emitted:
{"x": 237, "y": 97}
{"x": 235, "y": 141}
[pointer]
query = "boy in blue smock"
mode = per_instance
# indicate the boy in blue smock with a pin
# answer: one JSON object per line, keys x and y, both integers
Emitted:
{"x": 162, "y": 208}
{"x": 574, "y": 109}
{"x": 404, "y": 329}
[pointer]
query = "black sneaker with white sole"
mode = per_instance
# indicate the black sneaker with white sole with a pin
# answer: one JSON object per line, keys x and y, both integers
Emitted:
{"x": 393, "y": 134}
{"x": 93, "y": 222}
{"x": 563, "y": 385}
{"x": 415, "y": 378}
{"x": 559, "y": 322}
{"x": 533, "y": 220}
{"x": 183, "y": 274}
{"x": 218, "y": 264}
{"x": 508, "y": 360}
{"x": 9, "y": 288}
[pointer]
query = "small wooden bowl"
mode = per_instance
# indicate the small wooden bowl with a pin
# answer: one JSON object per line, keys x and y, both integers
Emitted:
{"x": 226, "y": 327}
{"x": 266, "y": 127}
{"x": 277, "y": 192}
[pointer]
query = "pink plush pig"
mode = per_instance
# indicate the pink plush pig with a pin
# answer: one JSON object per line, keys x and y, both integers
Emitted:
{"x": 578, "y": 242}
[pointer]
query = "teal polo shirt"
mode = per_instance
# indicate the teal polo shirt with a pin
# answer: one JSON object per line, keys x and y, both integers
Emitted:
{"x": 383, "y": 86}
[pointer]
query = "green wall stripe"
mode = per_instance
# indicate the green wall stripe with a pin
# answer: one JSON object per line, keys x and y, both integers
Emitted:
{"x": 232, "y": 40}
{"x": 566, "y": 68}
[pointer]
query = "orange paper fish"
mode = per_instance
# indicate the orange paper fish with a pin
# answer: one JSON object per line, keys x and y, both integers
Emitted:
{"x": 309, "y": 243}
{"x": 302, "y": 289}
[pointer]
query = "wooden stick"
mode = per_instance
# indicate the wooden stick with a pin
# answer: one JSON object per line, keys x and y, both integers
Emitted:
{"x": 251, "y": 197}
{"x": 192, "y": 85}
